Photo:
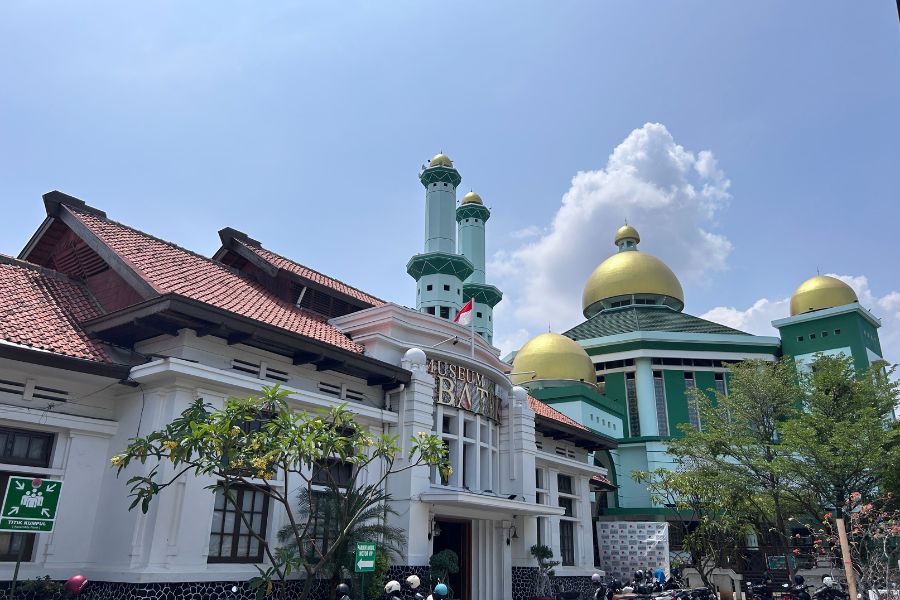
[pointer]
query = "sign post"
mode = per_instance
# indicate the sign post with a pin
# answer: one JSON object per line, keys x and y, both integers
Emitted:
{"x": 29, "y": 505}
{"x": 364, "y": 562}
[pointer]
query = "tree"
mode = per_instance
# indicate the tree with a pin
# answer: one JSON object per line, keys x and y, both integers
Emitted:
{"x": 253, "y": 440}
{"x": 842, "y": 440}
{"x": 544, "y": 556}
{"x": 740, "y": 438}
{"x": 712, "y": 513}
{"x": 339, "y": 509}
{"x": 873, "y": 533}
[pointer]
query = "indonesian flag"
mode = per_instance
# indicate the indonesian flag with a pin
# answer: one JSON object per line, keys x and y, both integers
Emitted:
{"x": 464, "y": 316}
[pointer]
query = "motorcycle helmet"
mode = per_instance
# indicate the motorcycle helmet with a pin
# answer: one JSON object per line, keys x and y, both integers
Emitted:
{"x": 413, "y": 581}
{"x": 596, "y": 578}
{"x": 828, "y": 581}
{"x": 799, "y": 580}
{"x": 638, "y": 576}
{"x": 440, "y": 591}
{"x": 392, "y": 587}
{"x": 627, "y": 589}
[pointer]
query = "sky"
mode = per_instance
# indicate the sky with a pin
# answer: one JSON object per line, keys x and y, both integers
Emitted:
{"x": 752, "y": 144}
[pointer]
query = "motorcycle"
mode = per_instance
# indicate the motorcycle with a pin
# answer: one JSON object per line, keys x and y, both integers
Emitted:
{"x": 830, "y": 590}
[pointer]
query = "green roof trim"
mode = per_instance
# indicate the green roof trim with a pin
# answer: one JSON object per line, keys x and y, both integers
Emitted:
{"x": 472, "y": 210}
{"x": 645, "y": 318}
{"x": 440, "y": 174}
{"x": 483, "y": 293}
{"x": 445, "y": 263}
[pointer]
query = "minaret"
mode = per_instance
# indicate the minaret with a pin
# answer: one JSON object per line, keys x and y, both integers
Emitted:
{"x": 471, "y": 217}
{"x": 439, "y": 271}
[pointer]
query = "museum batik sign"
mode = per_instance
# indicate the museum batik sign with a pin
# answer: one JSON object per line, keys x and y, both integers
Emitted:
{"x": 626, "y": 546}
{"x": 464, "y": 388}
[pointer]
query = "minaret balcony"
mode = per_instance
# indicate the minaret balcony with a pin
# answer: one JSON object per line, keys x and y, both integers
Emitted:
{"x": 472, "y": 211}
{"x": 440, "y": 174}
{"x": 444, "y": 263}
{"x": 482, "y": 293}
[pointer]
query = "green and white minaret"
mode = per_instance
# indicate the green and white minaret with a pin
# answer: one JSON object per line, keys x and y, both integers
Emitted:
{"x": 471, "y": 217}
{"x": 439, "y": 271}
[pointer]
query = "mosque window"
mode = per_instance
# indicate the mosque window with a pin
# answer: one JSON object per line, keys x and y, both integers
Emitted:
{"x": 478, "y": 314}
{"x": 634, "y": 419}
{"x": 446, "y": 288}
{"x": 457, "y": 291}
{"x": 659, "y": 390}
{"x": 692, "y": 401}
{"x": 445, "y": 312}
{"x": 824, "y": 334}
{"x": 799, "y": 338}
{"x": 812, "y": 336}
{"x": 430, "y": 310}
{"x": 445, "y": 185}
{"x": 837, "y": 332}
{"x": 429, "y": 287}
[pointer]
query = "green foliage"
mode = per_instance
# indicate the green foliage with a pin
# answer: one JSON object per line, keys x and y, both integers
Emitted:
{"x": 375, "y": 583}
{"x": 443, "y": 563}
{"x": 42, "y": 587}
{"x": 841, "y": 442}
{"x": 544, "y": 556}
{"x": 250, "y": 441}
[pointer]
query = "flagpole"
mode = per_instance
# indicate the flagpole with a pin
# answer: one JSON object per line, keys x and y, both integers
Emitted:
{"x": 473, "y": 335}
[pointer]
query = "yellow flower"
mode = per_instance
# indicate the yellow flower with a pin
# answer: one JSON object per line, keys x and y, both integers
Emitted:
{"x": 117, "y": 461}
{"x": 235, "y": 431}
{"x": 258, "y": 463}
{"x": 170, "y": 444}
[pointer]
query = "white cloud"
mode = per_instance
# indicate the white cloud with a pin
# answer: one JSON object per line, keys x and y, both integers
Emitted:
{"x": 671, "y": 195}
{"x": 526, "y": 232}
{"x": 758, "y": 317}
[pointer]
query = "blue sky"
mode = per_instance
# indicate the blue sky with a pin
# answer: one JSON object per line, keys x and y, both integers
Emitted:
{"x": 304, "y": 124}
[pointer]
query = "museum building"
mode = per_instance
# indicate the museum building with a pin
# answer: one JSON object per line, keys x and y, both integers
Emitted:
{"x": 108, "y": 333}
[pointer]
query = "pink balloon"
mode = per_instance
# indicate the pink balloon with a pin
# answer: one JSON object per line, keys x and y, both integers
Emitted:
{"x": 76, "y": 583}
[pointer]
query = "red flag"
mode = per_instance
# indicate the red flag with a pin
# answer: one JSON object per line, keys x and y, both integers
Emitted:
{"x": 464, "y": 316}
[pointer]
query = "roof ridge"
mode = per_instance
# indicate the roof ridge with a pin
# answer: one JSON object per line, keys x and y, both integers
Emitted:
{"x": 353, "y": 287}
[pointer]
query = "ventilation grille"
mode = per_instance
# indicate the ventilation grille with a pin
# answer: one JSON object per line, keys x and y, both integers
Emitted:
{"x": 539, "y": 445}
{"x": 260, "y": 371}
{"x": 12, "y": 387}
{"x": 568, "y": 453}
{"x": 330, "y": 389}
{"x": 276, "y": 375}
{"x": 78, "y": 260}
{"x": 45, "y": 393}
{"x": 356, "y": 396}
{"x": 245, "y": 367}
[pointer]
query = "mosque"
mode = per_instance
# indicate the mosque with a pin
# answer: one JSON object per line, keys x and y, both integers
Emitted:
{"x": 626, "y": 370}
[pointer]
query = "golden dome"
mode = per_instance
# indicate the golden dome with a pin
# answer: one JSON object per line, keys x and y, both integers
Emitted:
{"x": 472, "y": 197}
{"x": 630, "y": 273}
{"x": 441, "y": 160}
{"x": 552, "y": 356}
{"x": 625, "y": 232}
{"x": 821, "y": 292}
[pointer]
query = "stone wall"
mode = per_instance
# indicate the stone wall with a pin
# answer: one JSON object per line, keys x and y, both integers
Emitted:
{"x": 523, "y": 580}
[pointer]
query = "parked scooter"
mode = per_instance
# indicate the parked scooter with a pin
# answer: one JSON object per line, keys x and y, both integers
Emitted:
{"x": 797, "y": 591}
{"x": 830, "y": 590}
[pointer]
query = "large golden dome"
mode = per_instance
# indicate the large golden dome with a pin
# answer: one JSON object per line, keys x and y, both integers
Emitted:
{"x": 630, "y": 273}
{"x": 551, "y": 356}
{"x": 440, "y": 160}
{"x": 471, "y": 198}
{"x": 821, "y": 292}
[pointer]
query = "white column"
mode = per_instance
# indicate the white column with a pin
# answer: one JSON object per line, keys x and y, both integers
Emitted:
{"x": 646, "y": 397}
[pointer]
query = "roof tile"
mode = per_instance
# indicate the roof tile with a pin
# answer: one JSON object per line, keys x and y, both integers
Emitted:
{"x": 42, "y": 310}
{"x": 548, "y": 412}
{"x": 171, "y": 269}
{"x": 645, "y": 318}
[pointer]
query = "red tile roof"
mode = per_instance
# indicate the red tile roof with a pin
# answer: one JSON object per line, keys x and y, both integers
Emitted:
{"x": 601, "y": 481}
{"x": 288, "y": 265}
{"x": 168, "y": 268}
{"x": 42, "y": 309}
{"x": 551, "y": 413}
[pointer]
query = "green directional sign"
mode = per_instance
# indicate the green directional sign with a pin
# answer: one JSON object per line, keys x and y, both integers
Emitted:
{"x": 365, "y": 557}
{"x": 30, "y": 504}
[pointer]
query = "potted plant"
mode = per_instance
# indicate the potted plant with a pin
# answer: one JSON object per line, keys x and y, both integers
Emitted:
{"x": 544, "y": 557}
{"x": 442, "y": 565}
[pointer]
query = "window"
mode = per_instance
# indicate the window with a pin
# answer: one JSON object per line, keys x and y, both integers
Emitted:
{"x": 541, "y": 523}
{"x": 799, "y": 338}
{"x": 601, "y": 384}
{"x": 569, "y": 505}
{"x": 824, "y": 334}
{"x": 659, "y": 389}
{"x": 837, "y": 332}
{"x": 564, "y": 484}
{"x": 478, "y": 314}
{"x": 812, "y": 336}
{"x": 429, "y": 287}
{"x": 27, "y": 448}
{"x": 634, "y": 419}
{"x": 458, "y": 292}
{"x": 445, "y": 312}
{"x": 693, "y": 408}
{"x": 230, "y": 539}
{"x": 446, "y": 288}
{"x": 335, "y": 471}
{"x": 567, "y": 542}
{"x": 429, "y": 310}
{"x": 539, "y": 478}
{"x": 22, "y": 447}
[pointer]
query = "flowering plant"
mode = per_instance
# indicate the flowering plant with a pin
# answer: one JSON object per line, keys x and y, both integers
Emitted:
{"x": 873, "y": 535}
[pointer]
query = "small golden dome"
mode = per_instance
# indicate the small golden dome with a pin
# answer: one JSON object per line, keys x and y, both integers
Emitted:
{"x": 441, "y": 160}
{"x": 627, "y": 232}
{"x": 552, "y": 356}
{"x": 821, "y": 292}
{"x": 630, "y": 273}
{"x": 472, "y": 197}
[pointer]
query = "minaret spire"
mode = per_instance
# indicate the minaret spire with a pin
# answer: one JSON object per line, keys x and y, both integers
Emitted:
{"x": 471, "y": 217}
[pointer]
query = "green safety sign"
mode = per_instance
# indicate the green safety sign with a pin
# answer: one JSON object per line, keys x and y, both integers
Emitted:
{"x": 365, "y": 557}
{"x": 30, "y": 504}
